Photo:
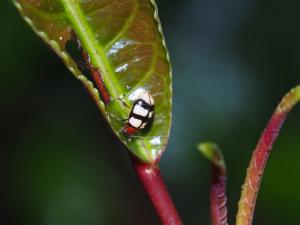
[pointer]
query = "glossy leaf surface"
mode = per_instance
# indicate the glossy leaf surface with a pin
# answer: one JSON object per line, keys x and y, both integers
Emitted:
{"x": 123, "y": 41}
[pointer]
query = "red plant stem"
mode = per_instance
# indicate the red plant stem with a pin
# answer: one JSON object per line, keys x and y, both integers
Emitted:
{"x": 100, "y": 85}
{"x": 96, "y": 76}
{"x": 260, "y": 157}
{"x": 152, "y": 181}
{"x": 218, "y": 198}
{"x": 256, "y": 168}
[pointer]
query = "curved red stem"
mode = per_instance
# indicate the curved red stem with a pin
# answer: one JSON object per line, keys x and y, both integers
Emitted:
{"x": 260, "y": 157}
{"x": 153, "y": 183}
{"x": 218, "y": 200}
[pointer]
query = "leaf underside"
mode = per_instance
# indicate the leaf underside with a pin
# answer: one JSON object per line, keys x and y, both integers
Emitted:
{"x": 125, "y": 44}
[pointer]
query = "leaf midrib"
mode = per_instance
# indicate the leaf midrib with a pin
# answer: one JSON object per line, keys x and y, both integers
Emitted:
{"x": 94, "y": 49}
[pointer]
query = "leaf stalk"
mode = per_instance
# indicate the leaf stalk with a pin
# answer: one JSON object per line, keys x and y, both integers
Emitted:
{"x": 152, "y": 181}
{"x": 260, "y": 157}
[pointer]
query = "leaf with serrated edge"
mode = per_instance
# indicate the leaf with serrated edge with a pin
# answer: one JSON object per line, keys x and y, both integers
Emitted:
{"x": 124, "y": 41}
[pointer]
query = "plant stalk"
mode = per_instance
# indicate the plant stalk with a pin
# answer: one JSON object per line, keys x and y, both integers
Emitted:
{"x": 260, "y": 157}
{"x": 218, "y": 199}
{"x": 152, "y": 181}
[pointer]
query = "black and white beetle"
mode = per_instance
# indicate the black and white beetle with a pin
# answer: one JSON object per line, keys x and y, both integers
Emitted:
{"x": 140, "y": 114}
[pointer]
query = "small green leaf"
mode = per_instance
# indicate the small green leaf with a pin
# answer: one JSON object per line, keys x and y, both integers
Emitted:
{"x": 213, "y": 153}
{"x": 124, "y": 42}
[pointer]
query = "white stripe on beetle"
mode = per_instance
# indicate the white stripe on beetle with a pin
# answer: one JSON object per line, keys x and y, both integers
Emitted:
{"x": 147, "y": 98}
{"x": 143, "y": 125}
{"x": 139, "y": 110}
{"x": 150, "y": 114}
{"x": 135, "y": 122}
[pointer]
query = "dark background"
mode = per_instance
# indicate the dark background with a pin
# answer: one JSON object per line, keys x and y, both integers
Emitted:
{"x": 232, "y": 60}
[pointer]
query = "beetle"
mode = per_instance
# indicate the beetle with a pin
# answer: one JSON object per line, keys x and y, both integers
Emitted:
{"x": 141, "y": 112}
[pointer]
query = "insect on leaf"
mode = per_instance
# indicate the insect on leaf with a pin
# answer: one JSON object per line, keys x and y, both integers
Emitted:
{"x": 124, "y": 50}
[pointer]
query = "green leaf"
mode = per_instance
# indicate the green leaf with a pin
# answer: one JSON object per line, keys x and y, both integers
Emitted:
{"x": 124, "y": 42}
{"x": 213, "y": 153}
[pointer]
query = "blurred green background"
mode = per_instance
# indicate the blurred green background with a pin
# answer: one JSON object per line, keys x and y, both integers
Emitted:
{"x": 232, "y": 60}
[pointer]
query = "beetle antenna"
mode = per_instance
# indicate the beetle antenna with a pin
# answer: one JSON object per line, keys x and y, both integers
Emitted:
{"x": 115, "y": 117}
{"x": 121, "y": 99}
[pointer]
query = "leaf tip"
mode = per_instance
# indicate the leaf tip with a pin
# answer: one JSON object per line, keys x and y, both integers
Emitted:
{"x": 213, "y": 153}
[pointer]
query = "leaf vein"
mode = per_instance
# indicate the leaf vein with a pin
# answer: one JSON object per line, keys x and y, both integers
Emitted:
{"x": 126, "y": 25}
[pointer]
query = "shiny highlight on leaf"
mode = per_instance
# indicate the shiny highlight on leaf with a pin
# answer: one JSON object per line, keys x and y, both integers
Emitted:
{"x": 123, "y": 42}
